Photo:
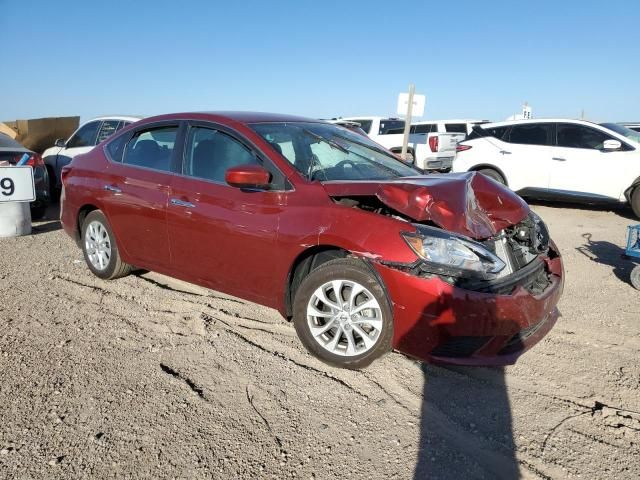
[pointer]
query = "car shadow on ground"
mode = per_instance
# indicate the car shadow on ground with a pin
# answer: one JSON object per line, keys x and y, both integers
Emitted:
{"x": 620, "y": 210}
{"x": 607, "y": 253}
{"x": 50, "y": 222}
{"x": 465, "y": 422}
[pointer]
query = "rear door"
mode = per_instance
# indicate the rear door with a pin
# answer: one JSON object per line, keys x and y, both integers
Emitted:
{"x": 222, "y": 236}
{"x": 525, "y": 155}
{"x": 137, "y": 187}
{"x": 582, "y": 167}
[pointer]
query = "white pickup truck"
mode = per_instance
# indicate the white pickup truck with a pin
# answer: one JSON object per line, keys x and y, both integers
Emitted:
{"x": 428, "y": 151}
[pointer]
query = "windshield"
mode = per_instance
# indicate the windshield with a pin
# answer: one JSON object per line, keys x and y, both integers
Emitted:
{"x": 329, "y": 152}
{"x": 622, "y": 130}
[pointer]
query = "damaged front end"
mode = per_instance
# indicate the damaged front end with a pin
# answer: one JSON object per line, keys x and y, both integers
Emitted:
{"x": 487, "y": 277}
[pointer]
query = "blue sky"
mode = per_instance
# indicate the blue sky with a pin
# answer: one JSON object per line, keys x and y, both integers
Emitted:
{"x": 476, "y": 59}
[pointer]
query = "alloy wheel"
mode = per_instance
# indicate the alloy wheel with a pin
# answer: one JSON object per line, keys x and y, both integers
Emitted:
{"x": 98, "y": 245}
{"x": 344, "y": 318}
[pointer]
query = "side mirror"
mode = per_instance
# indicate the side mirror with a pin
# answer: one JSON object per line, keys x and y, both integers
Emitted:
{"x": 248, "y": 176}
{"x": 60, "y": 142}
{"x": 610, "y": 145}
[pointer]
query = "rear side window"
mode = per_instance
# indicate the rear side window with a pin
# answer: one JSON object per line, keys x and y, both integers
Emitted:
{"x": 108, "y": 128}
{"x": 456, "y": 127}
{"x": 531, "y": 134}
{"x": 152, "y": 148}
{"x": 115, "y": 148}
{"x": 86, "y": 136}
{"x": 495, "y": 132}
{"x": 579, "y": 136}
{"x": 210, "y": 153}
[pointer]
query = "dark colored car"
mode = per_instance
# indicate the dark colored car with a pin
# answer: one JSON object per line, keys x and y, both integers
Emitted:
{"x": 12, "y": 152}
{"x": 361, "y": 251}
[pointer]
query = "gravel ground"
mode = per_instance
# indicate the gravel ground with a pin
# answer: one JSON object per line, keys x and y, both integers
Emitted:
{"x": 148, "y": 377}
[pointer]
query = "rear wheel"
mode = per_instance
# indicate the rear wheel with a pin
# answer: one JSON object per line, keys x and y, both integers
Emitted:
{"x": 100, "y": 248}
{"x": 493, "y": 174}
{"x": 635, "y": 201}
{"x": 342, "y": 315}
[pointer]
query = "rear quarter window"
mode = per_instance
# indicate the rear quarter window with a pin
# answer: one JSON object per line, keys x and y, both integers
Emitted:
{"x": 115, "y": 148}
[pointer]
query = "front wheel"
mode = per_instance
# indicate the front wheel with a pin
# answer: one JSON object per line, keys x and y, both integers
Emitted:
{"x": 342, "y": 315}
{"x": 493, "y": 174}
{"x": 100, "y": 248}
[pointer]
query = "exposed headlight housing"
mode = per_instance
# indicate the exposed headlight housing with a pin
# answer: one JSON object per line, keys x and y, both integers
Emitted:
{"x": 445, "y": 253}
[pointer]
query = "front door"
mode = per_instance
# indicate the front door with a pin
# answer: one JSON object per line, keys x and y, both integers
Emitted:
{"x": 222, "y": 236}
{"x": 582, "y": 168}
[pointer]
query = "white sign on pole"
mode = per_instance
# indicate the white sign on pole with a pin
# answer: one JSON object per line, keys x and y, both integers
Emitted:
{"x": 16, "y": 184}
{"x": 418, "y": 104}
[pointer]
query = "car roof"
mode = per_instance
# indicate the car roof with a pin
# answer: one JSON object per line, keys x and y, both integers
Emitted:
{"x": 236, "y": 116}
{"x": 124, "y": 118}
{"x": 508, "y": 123}
{"x": 6, "y": 143}
{"x": 451, "y": 120}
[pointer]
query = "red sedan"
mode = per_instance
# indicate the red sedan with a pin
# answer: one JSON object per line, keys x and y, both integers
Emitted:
{"x": 361, "y": 251}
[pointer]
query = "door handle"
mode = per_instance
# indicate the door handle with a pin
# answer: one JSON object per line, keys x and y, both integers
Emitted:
{"x": 559, "y": 159}
{"x": 111, "y": 188}
{"x": 505, "y": 152}
{"x": 182, "y": 203}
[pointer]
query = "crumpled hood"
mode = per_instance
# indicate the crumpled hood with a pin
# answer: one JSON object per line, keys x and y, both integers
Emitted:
{"x": 466, "y": 203}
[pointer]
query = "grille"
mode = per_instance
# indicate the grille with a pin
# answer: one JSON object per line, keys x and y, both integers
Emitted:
{"x": 460, "y": 346}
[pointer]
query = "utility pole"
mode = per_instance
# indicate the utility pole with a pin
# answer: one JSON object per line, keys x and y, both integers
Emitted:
{"x": 407, "y": 123}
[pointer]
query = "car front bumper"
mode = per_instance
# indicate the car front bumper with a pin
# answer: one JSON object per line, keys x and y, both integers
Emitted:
{"x": 437, "y": 322}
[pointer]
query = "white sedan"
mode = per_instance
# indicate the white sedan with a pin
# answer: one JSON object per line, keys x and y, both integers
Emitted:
{"x": 560, "y": 159}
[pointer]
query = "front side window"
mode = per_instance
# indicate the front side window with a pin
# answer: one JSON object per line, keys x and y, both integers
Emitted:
{"x": 531, "y": 134}
{"x": 423, "y": 128}
{"x": 579, "y": 136}
{"x": 86, "y": 136}
{"x": 152, "y": 148}
{"x": 210, "y": 153}
{"x": 327, "y": 152}
{"x": 108, "y": 128}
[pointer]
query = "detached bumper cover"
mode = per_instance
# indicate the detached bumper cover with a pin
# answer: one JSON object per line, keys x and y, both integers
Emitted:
{"x": 440, "y": 323}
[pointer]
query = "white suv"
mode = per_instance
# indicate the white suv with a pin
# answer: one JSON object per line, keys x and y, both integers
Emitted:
{"x": 87, "y": 136}
{"x": 557, "y": 159}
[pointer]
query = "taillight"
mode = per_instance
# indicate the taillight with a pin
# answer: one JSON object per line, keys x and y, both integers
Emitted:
{"x": 433, "y": 143}
{"x": 462, "y": 148}
{"x": 64, "y": 172}
{"x": 34, "y": 159}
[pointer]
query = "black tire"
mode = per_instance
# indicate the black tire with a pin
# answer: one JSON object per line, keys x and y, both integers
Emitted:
{"x": 635, "y": 201}
{"x": 114, "y": 267}
{"x": 350, "y": 270}
{"x": 37, "y": 213}
{"x": 493, "y": 174}
{"x": 635, "y": 277}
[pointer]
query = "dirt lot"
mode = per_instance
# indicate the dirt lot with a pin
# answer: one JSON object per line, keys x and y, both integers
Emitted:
{"x": 148, "y": 377}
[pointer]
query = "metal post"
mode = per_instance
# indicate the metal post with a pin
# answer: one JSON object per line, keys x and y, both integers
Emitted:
{"x": 407, "y": 123}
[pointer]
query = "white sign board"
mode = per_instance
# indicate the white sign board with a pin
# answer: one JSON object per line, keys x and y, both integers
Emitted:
{"x": 16, "y": 184}
{"x": 418, "y": 104}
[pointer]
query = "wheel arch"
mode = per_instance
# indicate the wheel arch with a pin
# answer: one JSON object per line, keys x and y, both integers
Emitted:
{"x": 482, "y": 166}
{"x": 83, "y": 211}
{"x": 629, "y": 191}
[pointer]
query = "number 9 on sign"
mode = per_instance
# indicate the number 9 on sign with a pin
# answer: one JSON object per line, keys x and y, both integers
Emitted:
{"x": 7, "y": 187}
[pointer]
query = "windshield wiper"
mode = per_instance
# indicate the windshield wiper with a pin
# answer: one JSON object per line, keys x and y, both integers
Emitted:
{"x": 331, "y": 143}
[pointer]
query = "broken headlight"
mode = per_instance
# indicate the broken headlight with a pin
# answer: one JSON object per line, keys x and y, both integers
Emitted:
{"x": 445, "y": 253}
